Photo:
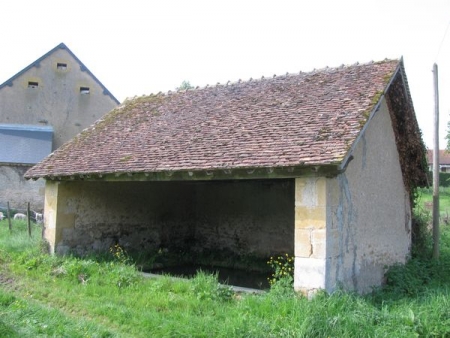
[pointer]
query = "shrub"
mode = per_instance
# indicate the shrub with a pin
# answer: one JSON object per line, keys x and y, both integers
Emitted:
{"x": 421, "y": 234}
{"x": 282, "y": 269}
{"x": 119, "y": 254}
{"x": 444, "y": 178}
{"x": 407, "y": 279}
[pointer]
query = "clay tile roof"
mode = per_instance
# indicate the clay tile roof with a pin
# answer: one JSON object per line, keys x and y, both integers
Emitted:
{"x": 444, "y": 157}
{"x": 305, "y": 119}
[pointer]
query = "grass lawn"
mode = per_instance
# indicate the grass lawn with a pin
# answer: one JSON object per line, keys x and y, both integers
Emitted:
{"x": 48, "y": 296}
{"x": 425, "y": 200}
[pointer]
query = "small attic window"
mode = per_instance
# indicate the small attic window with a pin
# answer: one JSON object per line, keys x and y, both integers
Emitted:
{"x": 84, "y": 90}
{"x": 33, "y": 84}
{"x": 61, "y": 66}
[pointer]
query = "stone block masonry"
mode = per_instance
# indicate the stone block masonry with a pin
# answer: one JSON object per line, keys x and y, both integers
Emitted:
{"x": 248, "y": 218}
{"x": 310, "y": 233}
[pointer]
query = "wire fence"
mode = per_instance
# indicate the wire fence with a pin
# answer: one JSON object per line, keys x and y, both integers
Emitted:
{"x": 8, "y": 213}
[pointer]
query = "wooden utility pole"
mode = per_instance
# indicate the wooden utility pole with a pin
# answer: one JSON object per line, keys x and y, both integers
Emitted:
{"x": 28, "y": 219}
{"x": 8, "y": 214}
{"x": 436, "y": 167}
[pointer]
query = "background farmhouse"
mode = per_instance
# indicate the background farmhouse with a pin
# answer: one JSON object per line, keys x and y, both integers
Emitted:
{"x": 444, "y": 160}
{"x": 41, "y": 107}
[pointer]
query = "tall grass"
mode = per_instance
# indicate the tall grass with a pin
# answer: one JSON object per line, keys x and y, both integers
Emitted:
{"x": 23, "y": 317}
{"x": 425, "y": 198}
{"x": 45, "y": 296}
{"x": 18, "y": 240}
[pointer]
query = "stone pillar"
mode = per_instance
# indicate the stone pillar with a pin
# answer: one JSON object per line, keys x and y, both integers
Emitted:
{"x": 57, "y": 219}
{"x": 310, "y": 234}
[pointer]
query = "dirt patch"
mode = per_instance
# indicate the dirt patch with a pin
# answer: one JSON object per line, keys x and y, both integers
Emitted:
{"x": 7, "y": 282}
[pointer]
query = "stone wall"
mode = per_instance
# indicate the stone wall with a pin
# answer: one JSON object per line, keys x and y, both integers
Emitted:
{"x": 141, "y": 216}
{"x": 246, "y": 217}
{"x": 349, "y": 228}
{"x": 18, "y": 191}
{"x": 243, "y": 217}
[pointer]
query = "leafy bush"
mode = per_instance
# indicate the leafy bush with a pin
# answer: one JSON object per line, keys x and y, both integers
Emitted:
{"x": 408, "y": 279}
{"x": 283, "y": 269}
{"x": 444, "y": 178}
{"x": 421, "y": 272}
{"x": 119, "y": 254}
{"x": 421, "y": 233}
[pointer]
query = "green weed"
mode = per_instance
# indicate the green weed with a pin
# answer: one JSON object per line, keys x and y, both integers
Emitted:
{"x": 119, "y": 254}
{"x": 49, "y": 296}
{"x": 206, "y": 287}
{"x": 282, "y": 269}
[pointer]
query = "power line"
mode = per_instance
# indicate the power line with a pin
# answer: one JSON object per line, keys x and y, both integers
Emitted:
{"x": 442, "y": 42}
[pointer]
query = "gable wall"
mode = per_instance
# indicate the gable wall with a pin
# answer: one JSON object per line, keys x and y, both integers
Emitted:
{"x": 368, "y": 215}
{"x": 56, "y": 100}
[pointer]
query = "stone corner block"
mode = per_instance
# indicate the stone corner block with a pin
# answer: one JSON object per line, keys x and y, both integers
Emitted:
{"x": 303, "y": 247}
{"x": 309, "y": 273}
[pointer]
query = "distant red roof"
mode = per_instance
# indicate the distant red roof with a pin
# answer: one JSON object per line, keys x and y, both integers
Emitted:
{"x": 444, "y": 157}
{"x": 306, "y": 119}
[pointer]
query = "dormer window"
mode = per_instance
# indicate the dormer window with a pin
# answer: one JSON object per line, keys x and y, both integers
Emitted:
{"x": 85, "y": 90}
{"x": 33, "y": 84}
{"x": 61, "y": 66}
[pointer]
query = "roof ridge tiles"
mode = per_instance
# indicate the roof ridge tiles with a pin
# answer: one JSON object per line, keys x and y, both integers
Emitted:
{"x": 326, "y": 69}
{"x": 275, "y": 76}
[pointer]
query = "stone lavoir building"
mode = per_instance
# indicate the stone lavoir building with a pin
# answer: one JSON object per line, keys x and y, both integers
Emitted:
{"x": 318, "y": 165}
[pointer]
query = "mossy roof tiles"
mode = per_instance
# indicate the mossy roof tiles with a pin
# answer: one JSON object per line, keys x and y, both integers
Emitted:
{"x": 305, "y": 119}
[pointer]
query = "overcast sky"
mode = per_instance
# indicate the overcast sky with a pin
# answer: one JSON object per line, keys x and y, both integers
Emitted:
{"x": 141, "y": 47}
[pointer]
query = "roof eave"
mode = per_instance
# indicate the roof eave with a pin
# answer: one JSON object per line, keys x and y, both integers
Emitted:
{"x": 328, "y": 170}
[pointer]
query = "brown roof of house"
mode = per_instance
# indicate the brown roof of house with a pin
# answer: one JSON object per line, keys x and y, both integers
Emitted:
{"x": 444, "y": 157}
{"x": 306, "y": 119}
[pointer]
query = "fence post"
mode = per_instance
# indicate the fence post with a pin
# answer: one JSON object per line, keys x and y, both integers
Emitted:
{"x": 8, "y": 213}
{"x": 28, "y": 219}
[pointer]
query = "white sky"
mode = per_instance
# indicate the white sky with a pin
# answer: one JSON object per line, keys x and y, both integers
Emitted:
{"x": 141, "y": 47}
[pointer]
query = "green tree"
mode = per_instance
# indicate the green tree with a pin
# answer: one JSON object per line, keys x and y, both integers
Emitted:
{"x": 185, "y": 85}
{"x": 447, "y": 137}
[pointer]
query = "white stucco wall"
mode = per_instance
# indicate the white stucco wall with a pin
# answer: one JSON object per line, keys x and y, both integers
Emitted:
{"x": 368, "y": 211}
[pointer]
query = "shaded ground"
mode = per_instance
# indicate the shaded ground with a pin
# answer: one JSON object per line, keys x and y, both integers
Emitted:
{"x": 236, "y": 277}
